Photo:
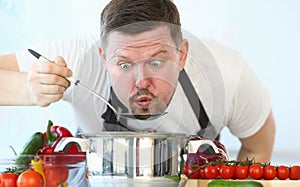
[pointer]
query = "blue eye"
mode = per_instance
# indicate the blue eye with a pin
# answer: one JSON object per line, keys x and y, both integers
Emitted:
{"x": 156, "y": 63}
{"x": 125, "y": 65}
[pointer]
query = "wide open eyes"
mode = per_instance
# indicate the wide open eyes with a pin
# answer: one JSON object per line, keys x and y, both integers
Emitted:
{"x": 156, "y": 63}
{"x": 125, "y": 65}
{"x": 153, "y": 64}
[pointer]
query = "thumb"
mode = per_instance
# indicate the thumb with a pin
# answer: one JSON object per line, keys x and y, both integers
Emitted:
{"x": 60, "y": 61}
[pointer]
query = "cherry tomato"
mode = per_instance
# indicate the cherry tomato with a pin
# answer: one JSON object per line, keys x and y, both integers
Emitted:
{"x": 283, "y": 172}
{"x": 256, "y": 171}
{"x": 194, "y": 172}
{"x": 8, "y": 180}
{"x": 211, "y": 172}
{"x": 270, "y": 172}
{"x": 241, "y": 172}
{"x": 185, "y": 169}
{"x": 295, "y": 173}
{"x": 226, "y": 172}
{"x": 55, "y": 175}
{"x": 219, "y": 165}
{"x": 202, "y": 173}
{"x": 30, "y": 178}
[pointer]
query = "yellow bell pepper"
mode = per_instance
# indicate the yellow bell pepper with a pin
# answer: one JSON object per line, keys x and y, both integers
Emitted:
{"x": 37, "y": 166}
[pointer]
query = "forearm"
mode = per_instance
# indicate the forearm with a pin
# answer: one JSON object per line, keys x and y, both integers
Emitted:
{"x": 263, "y": 156}
{"x": 260, "y": 145}
{"x": 13, "y": 89}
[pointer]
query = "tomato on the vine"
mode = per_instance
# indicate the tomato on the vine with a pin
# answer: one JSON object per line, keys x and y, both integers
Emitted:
{"x": 295, "y": 173}
{"x": 8, "y": 180}
{"x": 241, "y": 172}
{"x": 202, "y": 173}
{"x": 186, "y": 169}
{"x": 226, "y": 171}
{"x": 270, "y": 172}
{"x": 283, "y": 172}
{"x": 30, "y": 178}
{"x": 221, "y": 164}
{"x": 256, "y": 171}
{"x": 193, "y": 172}
{"x": 211, "y": 172}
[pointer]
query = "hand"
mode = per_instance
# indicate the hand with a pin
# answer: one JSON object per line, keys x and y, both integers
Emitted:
{"x": 47, "y": 81}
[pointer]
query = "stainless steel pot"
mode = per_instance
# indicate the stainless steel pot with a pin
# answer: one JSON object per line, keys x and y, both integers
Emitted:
{"x": 133, "y": 158}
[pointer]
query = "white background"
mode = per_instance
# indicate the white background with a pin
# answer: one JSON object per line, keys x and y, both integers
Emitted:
{"x": 265, "y": 32}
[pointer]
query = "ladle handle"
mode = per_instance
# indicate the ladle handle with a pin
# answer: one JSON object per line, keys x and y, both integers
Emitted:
{"x": 77, "y": 83}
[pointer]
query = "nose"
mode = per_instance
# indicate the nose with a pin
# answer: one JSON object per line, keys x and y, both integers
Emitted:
{"x": 143, "y": 80}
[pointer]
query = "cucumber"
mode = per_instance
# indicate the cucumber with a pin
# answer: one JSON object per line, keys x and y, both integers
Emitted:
{"x": 30, "y": 148}
{"x": 230, "y": 183}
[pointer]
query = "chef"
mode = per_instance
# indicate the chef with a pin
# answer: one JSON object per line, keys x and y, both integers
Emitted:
{"x": 143, "y": 62}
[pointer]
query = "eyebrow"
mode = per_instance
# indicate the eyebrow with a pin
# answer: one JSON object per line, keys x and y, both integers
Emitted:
{"x": 153, "y": 55}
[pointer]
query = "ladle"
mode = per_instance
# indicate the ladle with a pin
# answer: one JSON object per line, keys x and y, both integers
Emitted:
{"x": 146, "y": 116}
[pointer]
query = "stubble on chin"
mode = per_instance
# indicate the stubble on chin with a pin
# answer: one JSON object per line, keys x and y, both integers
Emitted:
{"x": 156, "y": 106}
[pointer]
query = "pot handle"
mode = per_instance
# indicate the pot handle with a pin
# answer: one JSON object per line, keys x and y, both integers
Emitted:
{"x": 64, "y": 144}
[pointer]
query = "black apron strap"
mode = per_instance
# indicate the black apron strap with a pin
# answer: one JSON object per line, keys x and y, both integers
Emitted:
{"x": 195, "y": 103}
{"x": 111, "y": 122}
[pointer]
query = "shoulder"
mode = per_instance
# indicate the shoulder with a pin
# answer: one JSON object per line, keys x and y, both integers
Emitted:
{"x": 215, "y": 70}
{"x": 247, "y": 102}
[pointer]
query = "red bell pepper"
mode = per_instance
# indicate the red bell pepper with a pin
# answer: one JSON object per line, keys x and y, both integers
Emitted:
{"x": 52, "y": 137}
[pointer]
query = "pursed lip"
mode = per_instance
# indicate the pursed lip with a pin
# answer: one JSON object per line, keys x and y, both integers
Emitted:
{"x": 144, "y": 100}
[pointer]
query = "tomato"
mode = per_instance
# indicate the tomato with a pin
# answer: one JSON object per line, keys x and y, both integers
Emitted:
{"x": 202, "y": 173}
{"x": 256, "y": 171}
{"x": 8, "y": 180}
{"x": 295, "y": 173}
{"x": 186, "y": 169}
{"x": 219, "y": 165}
{"x": 241, "y": 172}
{"x": 55, "y": 175}
{"x": 283, "y": 172}
{"x": 211, "y": 172}
{"x": 194, "y": 172}
{"x": 270, "y": 172}
{"x": 226, "y": 172}
{"x": 30, "y": 178}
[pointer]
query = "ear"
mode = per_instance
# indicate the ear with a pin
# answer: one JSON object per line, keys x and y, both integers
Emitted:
{"x": 102, "y": 54}
{"x": 183, "y": 53}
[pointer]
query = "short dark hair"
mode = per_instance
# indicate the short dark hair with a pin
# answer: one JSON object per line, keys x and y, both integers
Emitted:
{"x": 136, "y": 16}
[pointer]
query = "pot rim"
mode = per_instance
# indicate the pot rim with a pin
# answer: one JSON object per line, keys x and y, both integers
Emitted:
{"x": 126, "y": 134}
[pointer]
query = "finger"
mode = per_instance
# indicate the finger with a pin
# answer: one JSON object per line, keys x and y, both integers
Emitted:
{"x": 36, "y": 79}
{"x": 52, "y": 68}
{"x": 51, "y": 89}
{"x": 43, "y": 95}
{"x": 60, "y": 61}
{"x": 44, "y": 89}
{"x": 51, "y": 79}
{"x": 44, "y": 100}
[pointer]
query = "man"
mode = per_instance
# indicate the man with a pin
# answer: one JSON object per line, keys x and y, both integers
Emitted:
{"x": 143, "y": 65}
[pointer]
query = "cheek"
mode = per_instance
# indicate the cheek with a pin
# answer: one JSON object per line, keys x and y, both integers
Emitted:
{"x": 164, "y": 89}
{"x": 122, "y": 85}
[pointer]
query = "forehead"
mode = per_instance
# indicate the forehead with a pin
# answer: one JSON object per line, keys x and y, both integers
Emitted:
{"x": 159, "y": 37}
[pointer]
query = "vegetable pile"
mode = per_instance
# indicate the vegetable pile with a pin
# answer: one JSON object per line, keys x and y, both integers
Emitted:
{"x": 209, "y": 160}
{"x": 248, "y": 169}
{"x": 38, "y": 161}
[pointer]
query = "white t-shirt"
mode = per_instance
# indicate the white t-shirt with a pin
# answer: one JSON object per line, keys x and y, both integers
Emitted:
{"x": 230, "y": 92}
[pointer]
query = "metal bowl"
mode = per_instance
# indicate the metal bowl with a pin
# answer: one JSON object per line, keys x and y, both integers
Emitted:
{"x": 133, "y": 158}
